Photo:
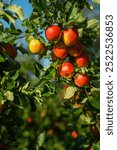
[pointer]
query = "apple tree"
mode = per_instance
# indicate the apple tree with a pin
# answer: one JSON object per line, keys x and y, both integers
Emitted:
{"x": 49, "y": 83}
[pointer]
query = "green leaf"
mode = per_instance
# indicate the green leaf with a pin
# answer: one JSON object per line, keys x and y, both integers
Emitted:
{"x": 48, "y": 94}
{"x": 92, "y": 23}
{"x": 18, "y": 10}
{"x": 94, "y": 102}
{"x": 9, "y": 16}
{"x": 41, "y": 39}
{"x": 95, "y": 92}
{"x": 1, "y": 5}
{"x": 15, "y": 76}
{"x": 86, "y": 119}
{"x": 9, "y": 95}
{"x": 38, "y": 99}
{"x": 26, "y": 86}
{"x": 29, "y": 38}
{"x": 70, "y": 91}
{"x": 38, "y": 68}
{"x": 89, "y": 6}
{"x": 2, "y": 58}
{"x": 96, "y": 1}
{"x": 50, "y": 74}
{"x": 84, "y": 100}
{"x": 96, "y": 83}
{"x": 74, "y": 14}
{"x": 1, "y": 96}
{"x": 10, "y": 65}
{"x": 10, "y": 85}
{"x": 96, "y": 146}
{"x": 41, "y": 139}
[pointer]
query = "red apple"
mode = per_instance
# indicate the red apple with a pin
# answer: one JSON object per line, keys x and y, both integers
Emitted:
{"x": 74, "y": 134}
{"x": 11, "y": 50}
{"x": 70, "y": 36}
{"x": 81, "y": 80}
{"x": 76, "y": 49}
{"x": 29, "y": 120}
{"x": 67, "y": 70}
{"x": 53, "y": 32}
{"x": 83, "y": 60}
{"x": 60, "y": 50}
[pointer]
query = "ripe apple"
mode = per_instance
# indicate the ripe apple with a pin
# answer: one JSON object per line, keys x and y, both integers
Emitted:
{"x": 60, "y": 50}
{"x": 50, "y": 132}
{"x": 11, "y": 50}
{"x": 36, "y": 47}
{"x": 70, "y": 36}
{"x": 29, "y": 120}
{"x": 67, "y": 70}
{"x": 76, "y": 49}
{"x": 81, "y": 80}
{"x": 82, "y": 60}
{"x": 53, "y": 32}
{"x": 74, "y": 134}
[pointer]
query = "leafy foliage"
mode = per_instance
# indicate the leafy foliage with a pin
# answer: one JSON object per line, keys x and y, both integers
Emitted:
{"x": 38, "y": 108}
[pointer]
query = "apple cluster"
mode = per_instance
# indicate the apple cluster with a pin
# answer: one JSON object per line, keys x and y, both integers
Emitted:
{"x": 68, "y": 44}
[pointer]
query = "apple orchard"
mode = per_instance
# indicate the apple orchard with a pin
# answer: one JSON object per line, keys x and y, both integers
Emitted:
{"x": 50, "y": 75}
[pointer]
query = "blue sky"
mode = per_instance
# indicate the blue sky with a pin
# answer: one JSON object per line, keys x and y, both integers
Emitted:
{"x": 25, "y": 5}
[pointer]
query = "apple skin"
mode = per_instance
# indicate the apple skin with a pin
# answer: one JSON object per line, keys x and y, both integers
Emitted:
{"x": 76, "y": 49}
{"x": 11, "y": 51}
{"x": 36, "y": 47}
{"x": 53, "y": 33}
{"x": 81, "y": 80}
{"x": 60, "y": 50}
{"x": 29, "y": 120}
{"x": 83, "y": 60}
{"x": 67, "y": 70}
{"x": 74, "y": 134}
{"x": 70, "y": 36}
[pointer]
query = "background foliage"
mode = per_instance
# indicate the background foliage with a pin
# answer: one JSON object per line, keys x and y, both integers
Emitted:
{"x": 38, "y": 109}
